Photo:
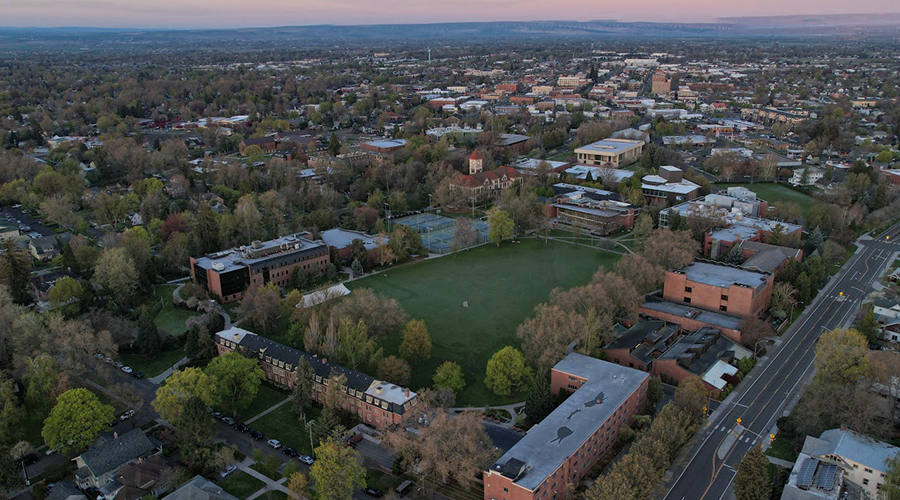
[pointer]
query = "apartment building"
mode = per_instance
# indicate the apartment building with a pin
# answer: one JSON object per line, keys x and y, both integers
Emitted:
{"x": 377, "y": 403}
{"x": 610, "y": 152}
{"x": 229, "y": 273}
{"x": 557, "y": 452}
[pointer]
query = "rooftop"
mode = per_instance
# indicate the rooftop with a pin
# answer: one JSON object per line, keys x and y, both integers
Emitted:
{"x": 257, "y": 252}
{"x": 342, "y": 238}
{"x": 697, "y": 314}
{"x": 853, "y": 446}
{"x": 723, "y": 276}
{"x": 117, "y": 451}
{"x": 610, "y": 146}
{"x": 556, "y": 438}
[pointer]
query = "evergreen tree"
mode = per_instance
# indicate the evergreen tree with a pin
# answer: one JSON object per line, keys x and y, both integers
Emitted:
{"x": 148, "y": 342}
{"x": 539, "y": 402}
{"x": 14, "y": 272}
{"x": 735, "y": 255}
{"x": 815, "y": 239}
{"x": 752, "y": 480}
{"x": 357, "y": 268}
{"x": 68, "y": 259}
{"x": 334, "y": 145}
{"x": 880, "y": 199}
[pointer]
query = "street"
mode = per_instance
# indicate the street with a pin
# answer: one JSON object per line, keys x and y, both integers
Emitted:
{"x": 750, "y": 414}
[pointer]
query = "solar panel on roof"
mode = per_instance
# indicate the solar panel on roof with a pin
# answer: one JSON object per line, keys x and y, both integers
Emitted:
{"x": 827, "y": 473}
{"x": 807, "y": 470}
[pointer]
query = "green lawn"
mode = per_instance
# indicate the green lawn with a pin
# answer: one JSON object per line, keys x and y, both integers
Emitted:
{"x": 283, "y": 425}
{"x": 171, "y": 319}
{"x": 153, "y": 367}
{"x": 501, "y": 286}
{"x": 273, "y": 495}
{"x": 241, "y": 484}
{"x": 267, "y": 397}
{"x": 775, "y": 193}
{"x": 384, "y": 482}
{"x": 782, "y": 448}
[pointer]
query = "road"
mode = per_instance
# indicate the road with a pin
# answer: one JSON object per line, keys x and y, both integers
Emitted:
{"x": 780, "y": 377}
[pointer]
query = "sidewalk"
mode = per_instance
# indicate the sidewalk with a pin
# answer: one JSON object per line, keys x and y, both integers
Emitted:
{"x": 266, "y": 412}
{"x": 162, "y": 376}
{"x": 269, "y": 483}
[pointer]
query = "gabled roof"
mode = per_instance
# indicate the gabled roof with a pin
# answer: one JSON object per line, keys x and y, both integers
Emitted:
{"x": 116, "y": 452}
{"x": 475, "y": 155}
{"x": 853, "y": 446}
{"x": 199, "y": 488}
{"x": 487, "y": 176}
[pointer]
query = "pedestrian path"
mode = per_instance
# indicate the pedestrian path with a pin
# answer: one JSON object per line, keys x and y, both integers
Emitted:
{"x": 266, "y": 412}
{"x": 270, "y": 484}
{"x": 162, "y": 376}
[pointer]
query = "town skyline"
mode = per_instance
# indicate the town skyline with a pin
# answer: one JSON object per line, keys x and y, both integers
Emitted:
{"x": 229, "y": 14}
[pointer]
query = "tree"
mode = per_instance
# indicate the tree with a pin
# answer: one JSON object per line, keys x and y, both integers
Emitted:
{"x": 11, "y": 413}
{"x": 464, "y": 233}
{"x": 148, "y": 342}
{"x": 261, "y": 306}
{"x": 334, "y": 145}
{"x": 355, "y": 345}
{"x": 754, "y": 330}
{"x": 337, "y": 472}
{"x": 783, "y": 299}
{"x": 247, "y": 219}
{"x": 297, "y": 484}
{"x": 670, "y": 249}
{"x": 179, "y": 387}
{"x": 76, "y": 420}
{"x": 236, "y": 380}
{"x": 752, "y": 480}
{"x": 655, "y": 392}
{"x": 691, "y": 396}
{"x": 15, "y": 272}
{"x": 304, "y": 383}
{"x": 195, "y": 426}
{"x": 357, "y": 268}
{"x": 449, "y": 375}
{"x": 506, "y": 371}
{"x": 382, "y": 315}
{"x": 394, "y": 370}
{"x": 735, "y": 255}
{"x": 43, "y": 383}
{"x": 892, "y": 479}
{"x": 868, "y": 324}
{"x": 547, "y": 335}
{"x": 841, "y": 357}
{"x": 539, "y": 402}
{"x": 116, "y": 271}
{"x": 643, "y": 228}
{"x": 500, "y": 225}
{"x": 416, "y": 345}
{"x": 66, "y": 295}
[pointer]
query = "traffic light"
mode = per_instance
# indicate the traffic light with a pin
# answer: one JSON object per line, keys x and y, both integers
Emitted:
{"x": 739, "y": 421}
{"x": 771, "y": 437}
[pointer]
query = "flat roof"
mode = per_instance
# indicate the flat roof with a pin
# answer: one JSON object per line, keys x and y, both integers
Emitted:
{"x": 341, "y": 238}
{"x": 695, "y": 313}
{"x": 723, "y": 276}
{"x": 610, "y": 146}
{"x": 241, "y": 257}
{"x": 384, "y": 144}
{"x": 550, "y": 443}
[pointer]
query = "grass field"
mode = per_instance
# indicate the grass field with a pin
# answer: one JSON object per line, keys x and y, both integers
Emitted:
{"x": 775, "y": 193}
{"x": 153, "y": 367}
{"x": 171, "y": 319}
{"x": 501, "y": 286}
{"x": 267, "y": 397}
{"x": 241, "y": 484}
{"x": 282, "y": 424}
{"x": 783, "y": 448}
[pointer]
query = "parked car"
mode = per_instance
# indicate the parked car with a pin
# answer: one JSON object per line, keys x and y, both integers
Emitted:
{"x": 126, "y": 415}
{"x": 274, "y": 443}
{"x": 228, "y": 470}
{"x": 373, "y": 492}
{"x": 228, "y": 421}
{"x": 137, "y": 374}
{"x": 242, "y": 428}
{"x": 257, "y": 435}
{"x": 290, "y": 452}
{"x": 118, "y": 364}
{"x": 127, "y": 369}
{"x": 217, "y": 415}
{"x": 99, "y": 356}
{"x": 305, "y": 459}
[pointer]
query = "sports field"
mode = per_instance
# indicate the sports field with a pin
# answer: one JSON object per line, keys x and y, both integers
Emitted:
{"x": 500, "y": 286}
{"x": 775, "y": 193}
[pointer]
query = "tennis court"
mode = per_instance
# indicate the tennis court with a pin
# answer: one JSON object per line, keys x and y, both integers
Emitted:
{"x": 438, "y": 232}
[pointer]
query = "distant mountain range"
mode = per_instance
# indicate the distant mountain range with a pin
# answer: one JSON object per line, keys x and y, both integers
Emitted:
{"x": 884, "y": 26}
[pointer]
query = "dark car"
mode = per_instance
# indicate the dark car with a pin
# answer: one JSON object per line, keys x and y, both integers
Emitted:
{"x": 290, "y": 452}
{"x": 256, "y": 435}
{"x": 373, "y": 492}
{"x": 137, "y": 374}
{"x": 242, "y": 428}
{"x": 218, "y": 415}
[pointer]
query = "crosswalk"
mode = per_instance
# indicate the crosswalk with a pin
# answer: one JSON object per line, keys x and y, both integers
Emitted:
{"x": 752, "y": 440}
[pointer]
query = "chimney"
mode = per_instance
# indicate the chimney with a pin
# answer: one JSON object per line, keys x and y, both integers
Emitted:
{"x": 406, "y": 392}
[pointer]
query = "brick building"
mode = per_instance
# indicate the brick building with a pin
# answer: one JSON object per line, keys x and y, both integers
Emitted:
{"x": 720, "y": 287}
{"x": 267, "y": 144}
{"x": 662, "y": 83}
{"x": 481, "y": 183}
{"x": 610, "y": 152}
{"x": 384, "y": 146}
{"x": 668, "y": 187}
{"x": 377, "y": 403}
{"x": 557, "y": 452}
{"x": 229, "y": 273}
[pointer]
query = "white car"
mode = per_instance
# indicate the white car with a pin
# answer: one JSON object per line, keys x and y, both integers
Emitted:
{"x": 305, "y": 459}
{"x": 228, "y": 470}
{"x": 125, "y": 416}
{"x": 127, "y": 369}
{"x": 274, "y": 443}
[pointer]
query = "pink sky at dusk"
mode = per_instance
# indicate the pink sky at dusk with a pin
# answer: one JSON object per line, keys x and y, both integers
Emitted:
{"x": 244, "y": 13}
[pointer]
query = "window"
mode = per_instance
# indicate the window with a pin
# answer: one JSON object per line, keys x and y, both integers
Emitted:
{"x": 865, "y": 481}
{"x": 723, "y": 308}
{"x": 688, "y": 289}
{"x": 724, "y": 297}
{"x": 687, "y": 300}
{"x": 868, "y": 470}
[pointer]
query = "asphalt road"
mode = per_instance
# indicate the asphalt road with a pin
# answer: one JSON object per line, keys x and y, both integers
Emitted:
{"x": 780, "y": 377}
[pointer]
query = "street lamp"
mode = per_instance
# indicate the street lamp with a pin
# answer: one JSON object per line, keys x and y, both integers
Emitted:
{"x": 309, "y": 432}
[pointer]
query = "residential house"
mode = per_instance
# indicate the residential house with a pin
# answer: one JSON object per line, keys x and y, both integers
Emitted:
{"x": 48, "y": 247}
{"x": 103, "y": 461}
{"x": 199, "y": 488}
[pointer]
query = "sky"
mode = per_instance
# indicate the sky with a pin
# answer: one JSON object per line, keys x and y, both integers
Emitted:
{"x": 244, "y": 13}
